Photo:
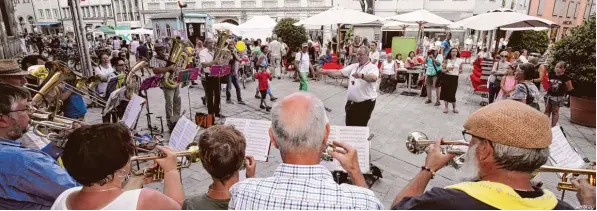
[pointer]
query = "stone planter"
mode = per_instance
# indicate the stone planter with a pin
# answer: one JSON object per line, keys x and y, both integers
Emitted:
{"x": 582, "y": 111}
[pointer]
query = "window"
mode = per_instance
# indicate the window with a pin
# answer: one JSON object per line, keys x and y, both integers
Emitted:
{"x": 558, "y": 7}
{"x": 105, "y": 10}
{"x": 571, "y": 5}
{"x": 171, "y": 5}
{"x": 93, "y": 12}
{"x": 56, "y": 13}
{"x": 6, "y": 20}
{"x": 540, "y": 7}
{"x": 109, "y": 10}
{"x": 576, "y": 8}
{"x": 48, "y": 13}
{"x": 168, "y": 30}
{"x": 590, "y": 8}
{"x": 88, "y": 12}
{"x": 153, "y": 6}
{"x": 41, "y": 13}
{"x": 157, "y": 30}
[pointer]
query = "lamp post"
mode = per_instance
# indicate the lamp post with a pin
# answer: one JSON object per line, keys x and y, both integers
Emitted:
{"x": 182, "y": 5}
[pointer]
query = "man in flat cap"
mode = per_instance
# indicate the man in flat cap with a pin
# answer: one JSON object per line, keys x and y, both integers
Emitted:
{"x": 508, "y": 141}
{"x": 159, "y": 65}
{"x": 11, "y": 73}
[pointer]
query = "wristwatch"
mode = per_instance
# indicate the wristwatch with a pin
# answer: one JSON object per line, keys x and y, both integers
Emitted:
{"x": 584, "y": 207}
{"x": 362, "y": 76}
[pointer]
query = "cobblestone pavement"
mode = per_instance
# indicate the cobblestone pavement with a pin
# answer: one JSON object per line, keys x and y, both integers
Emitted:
{"x": 394, "y": 117}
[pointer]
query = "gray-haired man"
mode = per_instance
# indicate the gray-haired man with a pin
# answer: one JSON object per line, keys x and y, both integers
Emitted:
{"x": 300, "y": 129}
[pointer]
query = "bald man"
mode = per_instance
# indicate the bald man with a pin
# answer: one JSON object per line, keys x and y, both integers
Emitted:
{"x": 300, "y": 130}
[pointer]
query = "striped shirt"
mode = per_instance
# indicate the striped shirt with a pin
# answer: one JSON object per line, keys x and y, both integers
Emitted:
{"x": 300, "y": 187}
{"x": 156, "y": 62}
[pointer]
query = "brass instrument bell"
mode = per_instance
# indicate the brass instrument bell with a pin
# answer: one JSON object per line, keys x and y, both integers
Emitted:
{"x": 189, "y": 156}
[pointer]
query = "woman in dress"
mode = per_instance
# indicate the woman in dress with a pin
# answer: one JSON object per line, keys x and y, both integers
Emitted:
{"x": 452, "y": 67}
{"x": 99, "y": 158}
{"x": 508, "y": 84}
{"x": 352, "y": 49}
{"x": 388, "y": 73}
{"x": 411, "y": 60}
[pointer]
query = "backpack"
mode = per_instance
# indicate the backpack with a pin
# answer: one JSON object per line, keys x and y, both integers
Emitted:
{"x": 531, "y": 98}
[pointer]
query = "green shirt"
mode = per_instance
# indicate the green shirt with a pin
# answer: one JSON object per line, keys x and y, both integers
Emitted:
{"x": 203, "y": 202}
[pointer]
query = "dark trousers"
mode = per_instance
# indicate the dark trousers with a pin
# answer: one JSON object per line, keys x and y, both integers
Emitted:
{"x": 212, "y": 89}
{"x": 494, "y": 89}
{"x": 358, "y": 114}
{"x": 233, "y": 79}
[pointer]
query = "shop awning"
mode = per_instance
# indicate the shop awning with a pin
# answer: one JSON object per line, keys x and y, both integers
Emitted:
{"x": 45, "y": 23}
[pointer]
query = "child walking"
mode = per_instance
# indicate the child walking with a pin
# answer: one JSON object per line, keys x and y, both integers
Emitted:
{"x": 559, "y": 85}
{"x": 508, "y": 84}
{"x": 262, "y": 78}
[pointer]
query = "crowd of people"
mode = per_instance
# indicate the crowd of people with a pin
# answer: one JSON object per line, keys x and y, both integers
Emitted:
{"x": 95, "y": 170}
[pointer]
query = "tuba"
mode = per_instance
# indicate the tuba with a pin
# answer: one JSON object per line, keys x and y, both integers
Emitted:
{"x": 48, "y": 95}
{"x": 222, "y": 54}
{"x": 178, "y": 57}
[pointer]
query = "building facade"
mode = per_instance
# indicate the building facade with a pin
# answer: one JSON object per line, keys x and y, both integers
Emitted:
{"x": 38, "y": 16}
{"x": 565, "y": 13}
{"x": 96, "y": 13}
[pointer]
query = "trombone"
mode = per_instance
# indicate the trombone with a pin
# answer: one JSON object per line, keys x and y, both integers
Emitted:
{"x": 417, "y": 143}
{"x": 190, "y": 155}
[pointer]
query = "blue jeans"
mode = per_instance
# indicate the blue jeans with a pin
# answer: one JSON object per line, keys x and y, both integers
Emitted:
{"x": 233, "y": 79}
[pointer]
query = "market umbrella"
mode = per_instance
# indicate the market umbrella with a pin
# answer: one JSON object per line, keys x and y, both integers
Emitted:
{"x": 106, "y": 30}
{"x": 339, "y": 15}
{"x": 224, "y": 26}
{"x": 501, "y": 19}
{"x": 421, "y": 17}
{"x": 258, "y": 27}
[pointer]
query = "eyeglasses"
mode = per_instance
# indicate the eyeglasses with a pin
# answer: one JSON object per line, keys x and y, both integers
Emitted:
{"x": 120, "y": 65}
{"x": 29, "y": 109}
{"x": 468, "y": 137}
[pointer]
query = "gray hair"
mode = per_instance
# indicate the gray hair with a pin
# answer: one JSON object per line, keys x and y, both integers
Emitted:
{"x": 295, "y": 136}
{"x": 519, "y": 159}
{"x": 365, "y": 50}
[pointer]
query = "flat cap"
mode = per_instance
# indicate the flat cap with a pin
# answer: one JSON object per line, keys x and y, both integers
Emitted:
{"x": 511, "y": 123}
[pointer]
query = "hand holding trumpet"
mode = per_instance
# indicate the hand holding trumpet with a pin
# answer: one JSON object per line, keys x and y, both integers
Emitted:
{"x": 435, "y": 158}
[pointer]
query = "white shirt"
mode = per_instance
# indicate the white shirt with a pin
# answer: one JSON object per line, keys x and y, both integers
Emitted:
{"x": 206, "y": 56}
{"x": 374, "y": 56}
{"x": 108, "y": 72}
{"x": 453, "y": 63}
{"x": 523, "y": 59}
{"x": 468, "y": 41}
{"x": 125, "y": 201}
{"x": 361, "y": 90}
{"x": 134, "y": 46}
{"x": 116, "y": 44}
{"x": 303, "y": 62}
{"x": 276, "y": 48}
{"x": 388, "y": 67}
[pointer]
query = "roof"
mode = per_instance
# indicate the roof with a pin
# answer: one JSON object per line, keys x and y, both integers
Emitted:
{"x": 171, "y": 15}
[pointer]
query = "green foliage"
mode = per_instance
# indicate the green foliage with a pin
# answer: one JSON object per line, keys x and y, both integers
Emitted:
{"x": 533, "y": 41}
{"x": 292, "y": 35}
{"x": 577, "y": 49}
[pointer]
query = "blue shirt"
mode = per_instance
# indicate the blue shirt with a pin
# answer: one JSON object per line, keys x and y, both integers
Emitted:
{"x": 29, "y": 179}
{"x": 323, "y": 60}
{"x": 75, "y": 107}
{"x": 446, "y": 46}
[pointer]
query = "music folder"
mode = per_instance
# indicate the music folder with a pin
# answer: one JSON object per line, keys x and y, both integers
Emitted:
{"x": 256, "y": 133}
{"x": 357, "y": 137}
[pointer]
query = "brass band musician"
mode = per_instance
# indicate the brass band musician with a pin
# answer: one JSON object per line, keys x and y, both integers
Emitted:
{"x": 158, "y": 64}
{"x": 508, "y": 141}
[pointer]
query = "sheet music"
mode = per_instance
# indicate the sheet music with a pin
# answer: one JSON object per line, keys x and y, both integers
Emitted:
{"x": 256, "y": 133}
{"x": 133, "y": 109}
{"x": 183, "y": 134}
{"x": 561, "y": 153}
{"x": 355, "y": 137}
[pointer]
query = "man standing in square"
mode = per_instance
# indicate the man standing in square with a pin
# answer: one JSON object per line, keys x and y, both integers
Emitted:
{"x": 158, "y": 65}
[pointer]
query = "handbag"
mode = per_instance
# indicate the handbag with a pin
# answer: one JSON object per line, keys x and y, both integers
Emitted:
{"x": 204, "y": 120}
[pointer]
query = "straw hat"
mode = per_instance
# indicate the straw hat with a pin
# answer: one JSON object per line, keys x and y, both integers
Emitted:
{"x": 511, "y": 123}
{"x": 9, "y": 67}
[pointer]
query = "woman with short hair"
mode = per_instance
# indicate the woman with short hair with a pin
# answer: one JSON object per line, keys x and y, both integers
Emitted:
{"x": 99, "y": 158}
{"x": 388, "y": 72}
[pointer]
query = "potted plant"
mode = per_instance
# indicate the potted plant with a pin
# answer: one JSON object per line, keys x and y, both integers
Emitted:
{"x": 577, "y": 49}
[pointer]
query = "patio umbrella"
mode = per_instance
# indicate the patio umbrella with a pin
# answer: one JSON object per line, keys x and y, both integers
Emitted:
{"x": 224, "y": 26}
{"x": 421, "y": 17}
{"x": 339, "y": 15}
{"x": 500, "y": 19}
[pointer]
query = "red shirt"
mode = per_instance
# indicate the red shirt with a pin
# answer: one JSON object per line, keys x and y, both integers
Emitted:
{"x": 262, "y": 77}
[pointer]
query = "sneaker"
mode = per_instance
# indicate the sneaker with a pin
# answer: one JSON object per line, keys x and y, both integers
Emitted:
{"x": 269, "y": 108}
{"x": 261, "y": 106}
{"x": 242, "y": 102}
{"x": 428, "y": 101}
{"x": 229, "y": 102}
{"x": 273, "y": 99}
{"x": 328, "y": 109}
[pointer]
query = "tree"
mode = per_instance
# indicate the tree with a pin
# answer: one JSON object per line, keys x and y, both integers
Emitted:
{"x": 533, "y": 41}
{"x": 292, "y": 35}
{"x": 577, "y": 49}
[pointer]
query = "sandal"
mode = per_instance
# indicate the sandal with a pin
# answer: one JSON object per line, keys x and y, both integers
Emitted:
{"x": 445, "y": 110}
{"x": 427, "y": 101}
{"x": 455, "y": 110}
{"x": 437, "y": 103}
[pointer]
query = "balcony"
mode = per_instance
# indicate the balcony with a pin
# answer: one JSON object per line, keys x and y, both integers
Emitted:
{"x": 208, "y": 4}
{"x": 292, "y": 3}
{"x": 248, "y": 4}
{"x": 270, "y": 4}
{"x": 316, "y": 3}
{"x": 228, "y": 4}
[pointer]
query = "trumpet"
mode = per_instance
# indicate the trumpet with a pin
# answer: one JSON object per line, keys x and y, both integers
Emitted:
{"x": 417, "y": 143}
{"x": 567, "y": 174}
{"x": 191, "y": 155}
